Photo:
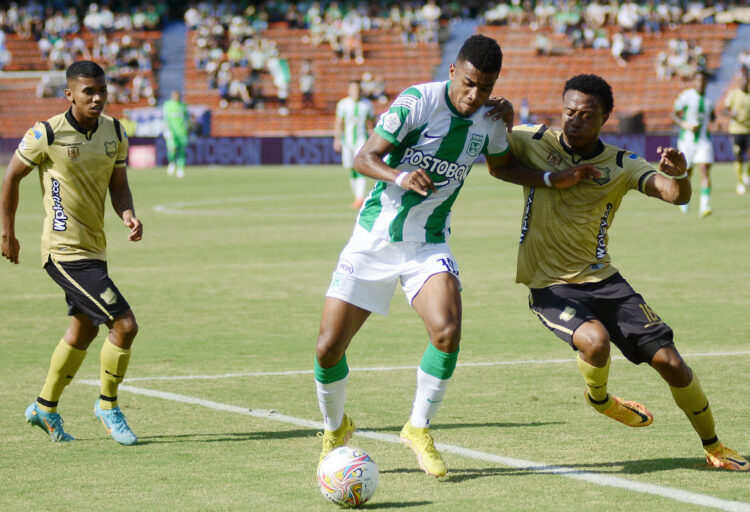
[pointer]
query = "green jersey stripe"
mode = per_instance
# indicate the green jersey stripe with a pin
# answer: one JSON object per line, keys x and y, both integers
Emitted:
{"x": 435, "y": 226}
{"x": 453, "y": 144}
{"x": 409, "y": 200}
{"x": 372, "y": 207}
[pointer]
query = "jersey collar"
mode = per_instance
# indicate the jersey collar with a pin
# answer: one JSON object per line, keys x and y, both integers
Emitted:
{"x": 450, "y": 104}
{"x": 596, "y": 152}
{"x": 75, "y": 124}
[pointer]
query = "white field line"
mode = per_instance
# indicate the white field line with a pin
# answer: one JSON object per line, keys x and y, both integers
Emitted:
{"x": 523, "y": 465}
{"x": 399, "y": 368}
{"x": 177, "y": 208}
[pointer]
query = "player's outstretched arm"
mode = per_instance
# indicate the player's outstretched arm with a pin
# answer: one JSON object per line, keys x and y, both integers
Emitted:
{"x": 16, "y": 171}
{"x": 508, "y": 168}
{"x": 676, "y": 188}
{"x": 369, "y": 161}
{"x": 122, "y": 202}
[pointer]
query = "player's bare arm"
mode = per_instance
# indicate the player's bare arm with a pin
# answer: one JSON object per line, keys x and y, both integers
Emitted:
{"x": 676, "y": 188}
{"x": 122, "y": 202}
{"x": 501, "y": 109}
{"x": 16, "y": 171}
{"x": 369, "y": 161}
{"x": 508, "y": 168}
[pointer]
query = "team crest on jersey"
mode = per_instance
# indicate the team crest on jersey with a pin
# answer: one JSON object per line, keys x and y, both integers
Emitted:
{"x": 110, "y": 147}
{"x": 554, "y": 159}
{"x": 604, "y": 178}
{"x": 73, "y": 153}
{"x": 475, "y": 144}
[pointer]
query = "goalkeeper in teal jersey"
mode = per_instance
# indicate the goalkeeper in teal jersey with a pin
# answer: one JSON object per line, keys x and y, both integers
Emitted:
{"x": 177, "y": 120}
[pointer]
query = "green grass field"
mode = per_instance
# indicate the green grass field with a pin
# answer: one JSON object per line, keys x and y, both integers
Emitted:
{"x": 228, "y": 285}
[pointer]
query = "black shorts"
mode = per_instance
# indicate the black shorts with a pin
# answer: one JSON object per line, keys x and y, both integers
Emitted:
{"x": 740, "y": 143}
{"x": 88, "y": 289}
{"x": 632, "y": 325}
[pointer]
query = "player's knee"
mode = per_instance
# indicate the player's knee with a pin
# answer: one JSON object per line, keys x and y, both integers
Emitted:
{"x": 329, "y": 349}
{"x": 592, "y": 339}
{"x": 126, "y": 327}
{"x": 670, "y": 364}
{"x": 446, "y": 337}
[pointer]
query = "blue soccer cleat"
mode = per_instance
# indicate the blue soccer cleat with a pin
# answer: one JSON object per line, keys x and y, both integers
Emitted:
{"x": 114, "y": 421}
{"x": 50, "y": 422}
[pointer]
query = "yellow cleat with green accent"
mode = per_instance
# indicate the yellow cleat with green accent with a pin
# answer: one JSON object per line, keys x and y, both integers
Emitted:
{"x": 422, "y": 444}
{"x": 335, "y": 438}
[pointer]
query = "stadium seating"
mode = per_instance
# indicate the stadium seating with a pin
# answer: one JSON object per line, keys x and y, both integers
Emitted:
{"x": 540, "y": 78}
{"x": 415, "y": 64}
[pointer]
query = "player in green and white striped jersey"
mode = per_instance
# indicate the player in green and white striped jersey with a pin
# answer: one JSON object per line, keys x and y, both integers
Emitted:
{"x": 693, "y": 112}
{"x": 421, "y": 153}
{"x": 355, "y": 118}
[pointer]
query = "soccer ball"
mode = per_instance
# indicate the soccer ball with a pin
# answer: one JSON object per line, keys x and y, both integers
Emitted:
{"x": 348, "y": 477}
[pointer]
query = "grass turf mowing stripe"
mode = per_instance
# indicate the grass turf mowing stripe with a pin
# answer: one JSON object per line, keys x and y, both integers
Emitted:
{"x": 523, "y": 465}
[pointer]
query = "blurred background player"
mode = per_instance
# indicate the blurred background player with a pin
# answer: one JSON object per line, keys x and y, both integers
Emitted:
{"x": 562, "y": 257}
{"x": 737, "y": 104}
{"x": 80, "y": 155}
{"x": 355, "y": 119}
{"x": 693, "y": 112}
{"x": 177, "y": 121}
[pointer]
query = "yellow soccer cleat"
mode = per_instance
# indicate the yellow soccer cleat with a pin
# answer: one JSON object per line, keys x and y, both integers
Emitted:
{"x": 335, "y": 438}
{"x": 422, "y": 444}
{"x": 726, "y": 458}
{"x": 629, "y": 413}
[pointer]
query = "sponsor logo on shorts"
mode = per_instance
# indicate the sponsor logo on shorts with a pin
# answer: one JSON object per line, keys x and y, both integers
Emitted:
{"x": 109, "y": 296}
{"x": 346, "y": 267}
{"x": 567, "y": 314}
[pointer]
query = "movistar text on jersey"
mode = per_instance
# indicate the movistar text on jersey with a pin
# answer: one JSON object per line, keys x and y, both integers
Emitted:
{"x": 434, "y": 165}
{"x": 58, "y": 223}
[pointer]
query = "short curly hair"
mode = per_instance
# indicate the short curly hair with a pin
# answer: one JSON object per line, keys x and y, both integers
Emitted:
{"x": 593, "y": 85}
{"x": 483, "y": 53}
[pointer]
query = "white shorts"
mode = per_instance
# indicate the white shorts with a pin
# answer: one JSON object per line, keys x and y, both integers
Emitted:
{"x": 369, "y": 268}
{"x": 697, "y": 152}
{"x": 348, "y": 152}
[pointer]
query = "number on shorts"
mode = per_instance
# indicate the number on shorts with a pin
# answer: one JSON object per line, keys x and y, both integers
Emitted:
{"x": 450, "y": 265}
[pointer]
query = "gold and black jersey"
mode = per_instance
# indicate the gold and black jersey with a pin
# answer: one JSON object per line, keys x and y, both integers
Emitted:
{"x": 75, "y": 167}
{"x": 564, "y": 233}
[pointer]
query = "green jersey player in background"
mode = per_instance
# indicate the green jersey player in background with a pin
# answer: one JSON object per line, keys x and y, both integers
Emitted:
{"x": 177, "y": 122}
{"x": 693, "y": 112}
{"x": 563, "y": 259}
{"x": 429, "y": 138}
{"x": 80, "y": 155}
{"x": 355, "y": 119}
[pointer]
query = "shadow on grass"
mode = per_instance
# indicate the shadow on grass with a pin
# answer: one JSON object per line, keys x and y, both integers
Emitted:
{"x": 448, "y": 426}
{"x": 225, "y": 437}
{"x": 630, "y": 467}
{"x": 395, "y": 505}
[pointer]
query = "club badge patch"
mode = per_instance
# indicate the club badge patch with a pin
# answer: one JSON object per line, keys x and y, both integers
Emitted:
{"x": 475, "y": 144}
{"x": 110, "y": 147}
{"x": 73, "y": 153}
